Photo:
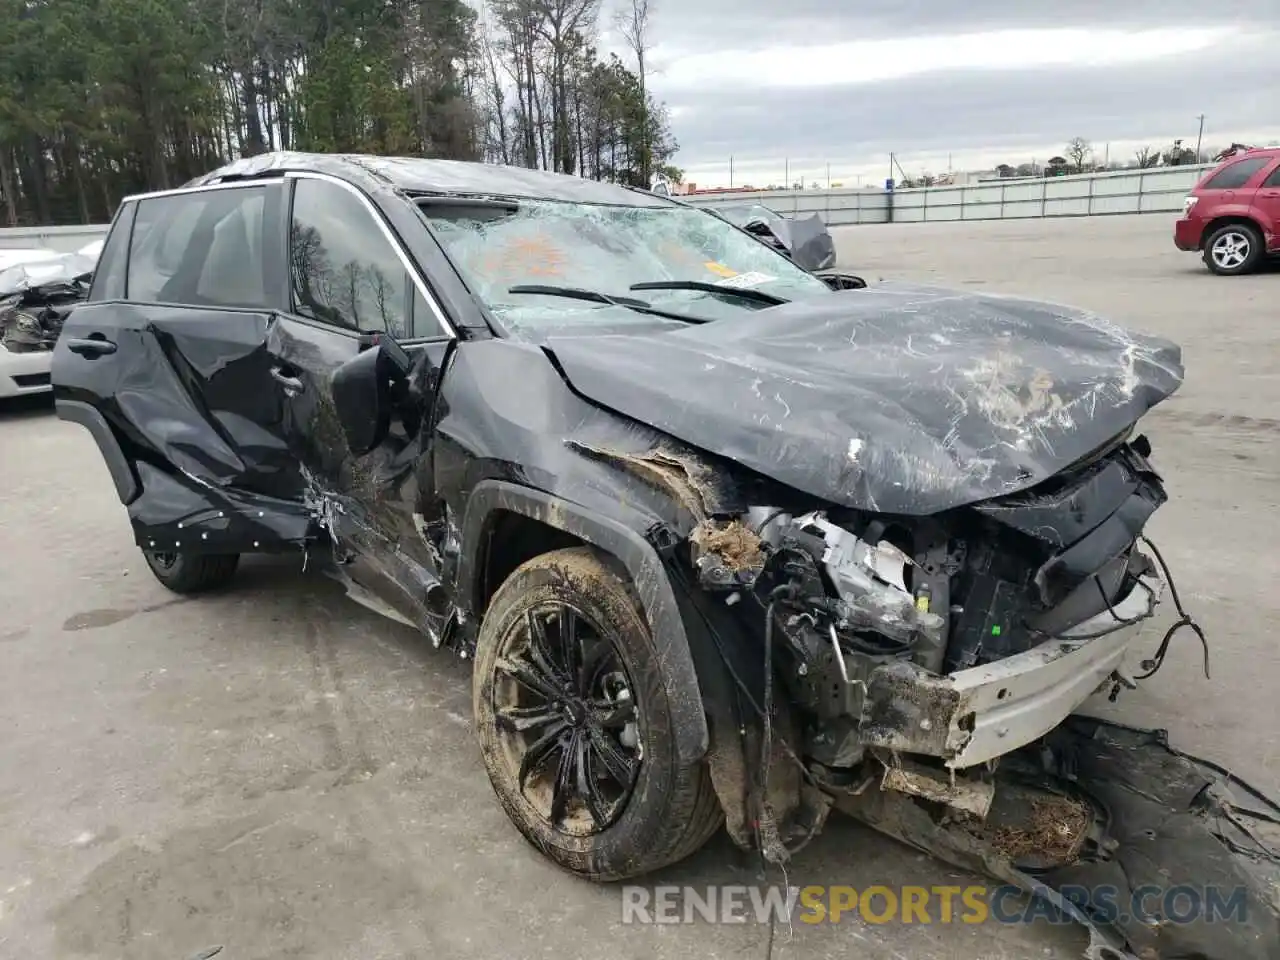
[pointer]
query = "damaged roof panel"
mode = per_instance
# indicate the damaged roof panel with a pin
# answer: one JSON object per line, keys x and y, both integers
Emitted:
{"x": 449, "y": 177}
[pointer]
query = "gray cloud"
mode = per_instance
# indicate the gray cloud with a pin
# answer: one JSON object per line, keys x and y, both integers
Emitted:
{"x": 730, "y": 24}
{"x": 994, "y": 111}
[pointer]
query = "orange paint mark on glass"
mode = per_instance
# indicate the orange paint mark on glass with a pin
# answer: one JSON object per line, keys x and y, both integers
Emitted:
{"x": 521, "y": 259}
{"x": 720, "y": 269}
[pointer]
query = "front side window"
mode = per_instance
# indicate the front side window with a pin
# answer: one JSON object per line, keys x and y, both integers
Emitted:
{"x": 606, "y": 249}
{"x": 1273, "y": 180}
{"x": 343, "y": 270}
{"x": 1237, "y": 175}
{"x": 199, "y": 249}
{"x": 109, "y": 272}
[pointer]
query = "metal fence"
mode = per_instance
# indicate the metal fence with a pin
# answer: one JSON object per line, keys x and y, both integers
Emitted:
{"x": 1155, "y": 190}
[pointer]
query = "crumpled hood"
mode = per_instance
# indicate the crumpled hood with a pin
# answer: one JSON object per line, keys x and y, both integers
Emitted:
{"x": 896, "y": 399}
{"x": 807, "y": 238}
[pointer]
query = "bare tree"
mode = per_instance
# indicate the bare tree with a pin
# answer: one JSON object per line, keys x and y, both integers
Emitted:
{"x": 1147, "y": 157}
{"x": 562, "y": 24}
{"x": 633, "y": 22}
{"x": 1079, "y": 151}
{"x": 496, "y": 101}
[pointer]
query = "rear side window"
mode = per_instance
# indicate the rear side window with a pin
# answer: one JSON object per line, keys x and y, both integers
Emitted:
{"x": 1273, "y": 180}
{"x": 1237, "y": 175}
{"x": 343, "y": 269}
{"x": 200, "y": 249}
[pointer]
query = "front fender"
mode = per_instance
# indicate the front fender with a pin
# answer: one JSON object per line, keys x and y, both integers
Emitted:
{"x": 680, "y": 679}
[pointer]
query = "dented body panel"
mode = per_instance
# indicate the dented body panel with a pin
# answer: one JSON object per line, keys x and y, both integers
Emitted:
{"x": 207, "y": 446}
{"x": 896, "y": 399}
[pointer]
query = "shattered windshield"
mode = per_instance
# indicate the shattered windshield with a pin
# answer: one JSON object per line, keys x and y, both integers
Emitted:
{"x": 607, "y": 250}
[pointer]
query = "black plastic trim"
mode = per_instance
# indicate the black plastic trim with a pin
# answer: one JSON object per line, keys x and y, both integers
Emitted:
{"x": 648, "y": 576}
{"x": 122, "y": 475}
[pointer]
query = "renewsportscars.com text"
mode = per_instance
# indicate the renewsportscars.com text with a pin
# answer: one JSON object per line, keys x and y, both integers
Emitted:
{"x": 974, "y": 904}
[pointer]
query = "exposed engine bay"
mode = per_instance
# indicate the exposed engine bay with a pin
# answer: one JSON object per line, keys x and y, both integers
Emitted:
{"x": 924, "y": 636}
{"x": 28, "y": 327}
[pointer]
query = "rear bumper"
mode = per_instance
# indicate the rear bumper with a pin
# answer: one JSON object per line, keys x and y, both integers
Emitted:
{"x": 984, "y": 712}
{"x": 1187, "y": 233}
{"x": 23, "y": 373}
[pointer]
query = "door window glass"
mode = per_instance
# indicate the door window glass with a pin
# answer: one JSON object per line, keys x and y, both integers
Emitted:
{"x": 200, "y": 249}
{"x": 342, "y": 268}
{"x": 425, "y": 322}
{"x": 1237, "y": 175}
{"x": 109, "y": 273}
{"x": 1274, "y": 179}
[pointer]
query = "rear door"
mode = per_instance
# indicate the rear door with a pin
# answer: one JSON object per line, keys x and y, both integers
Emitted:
{"x": 351, "y": 281}
{"x": 168, "y": 364}
{"x": 1267, "y": 204}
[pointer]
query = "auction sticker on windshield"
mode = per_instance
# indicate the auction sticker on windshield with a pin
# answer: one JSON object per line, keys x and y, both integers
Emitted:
{"x": 750, "y": 279}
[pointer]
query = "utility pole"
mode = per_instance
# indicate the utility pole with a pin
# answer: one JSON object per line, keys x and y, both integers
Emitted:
{"x": 1199, "y": 136}
{"x": 828, "y": 176}
{"x": 731, "y": 169}
{"x": 786, "y": 173}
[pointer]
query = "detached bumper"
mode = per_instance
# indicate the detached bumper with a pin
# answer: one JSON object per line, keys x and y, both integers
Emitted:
{"x": 984, "y": 712}
{"x": 23, "y": 373}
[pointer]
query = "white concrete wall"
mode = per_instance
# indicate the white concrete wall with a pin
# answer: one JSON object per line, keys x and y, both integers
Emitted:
{"x": 61, "y": 239}
{"x": 1157, "y": 190}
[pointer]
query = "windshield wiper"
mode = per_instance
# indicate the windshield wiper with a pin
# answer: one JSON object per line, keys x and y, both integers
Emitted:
{"x": 595, "y": 296}
{"x": 743, "y": 293}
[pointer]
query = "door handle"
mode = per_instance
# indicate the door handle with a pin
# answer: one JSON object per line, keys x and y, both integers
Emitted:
{"x": 91, "y": 347}
{"x": 290, "y": 383}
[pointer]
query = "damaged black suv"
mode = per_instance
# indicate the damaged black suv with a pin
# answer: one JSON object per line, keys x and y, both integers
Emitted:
{"x": 728, "y": 542}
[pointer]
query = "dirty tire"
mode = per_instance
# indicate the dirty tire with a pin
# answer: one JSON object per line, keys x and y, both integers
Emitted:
{"x": 1237, "y": 235}
{"x": 672, "y": 808}
{"x": 192, "y": 573}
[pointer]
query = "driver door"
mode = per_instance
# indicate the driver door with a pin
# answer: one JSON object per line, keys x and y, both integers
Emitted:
{"x": 351, "y": 282}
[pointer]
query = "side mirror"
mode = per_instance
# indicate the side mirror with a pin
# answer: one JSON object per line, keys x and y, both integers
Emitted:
{"x": 363, "y": 390}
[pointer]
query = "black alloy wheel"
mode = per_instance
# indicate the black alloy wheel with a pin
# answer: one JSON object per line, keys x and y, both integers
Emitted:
{"x": 575, "y": 728}
{"x": 566, "y": 719}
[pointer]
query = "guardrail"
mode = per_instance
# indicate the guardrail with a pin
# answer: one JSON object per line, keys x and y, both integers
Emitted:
{"x": 1154, "y": 190}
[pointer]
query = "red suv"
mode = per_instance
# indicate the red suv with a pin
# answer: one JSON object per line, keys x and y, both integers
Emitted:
{"x": 1233, "y": 214}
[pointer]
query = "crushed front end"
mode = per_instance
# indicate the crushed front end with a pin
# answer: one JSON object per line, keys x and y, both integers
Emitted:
{"x": 949, "y": 640}
{"x": 35, "y": 300}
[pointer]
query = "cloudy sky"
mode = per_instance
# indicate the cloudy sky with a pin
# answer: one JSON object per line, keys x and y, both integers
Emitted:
{"x": 807, "y": 83}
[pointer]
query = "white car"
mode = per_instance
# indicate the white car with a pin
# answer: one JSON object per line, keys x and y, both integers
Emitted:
{"x": 25, "y": 369}
{"x": 14, "y": 257}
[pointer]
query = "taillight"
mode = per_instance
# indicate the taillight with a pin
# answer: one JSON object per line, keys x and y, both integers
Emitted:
{"x": 1188, "y": 204}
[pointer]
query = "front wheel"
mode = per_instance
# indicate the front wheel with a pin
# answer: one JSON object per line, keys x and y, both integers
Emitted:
{"x": 1233, "y": 249}
{"x": 574, "y": 724}
{"x": 191, "y": 573}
